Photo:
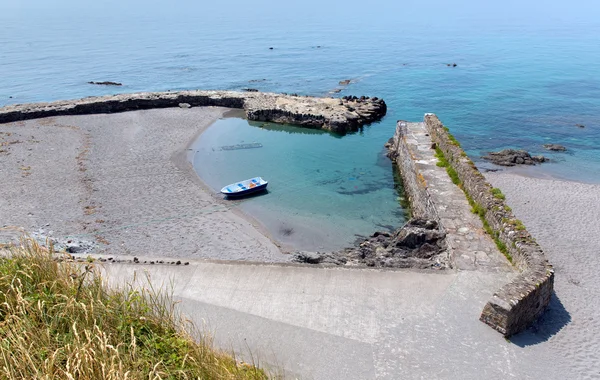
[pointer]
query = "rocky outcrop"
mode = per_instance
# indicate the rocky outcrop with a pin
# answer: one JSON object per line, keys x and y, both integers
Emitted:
{"x": 333, "y": 114}
{"x": 418, "y": 244}
{"x": 519, "y": 303}
{"x": 555, "y": 147}
{"x": 106, "y": 83}
{"x": 512, "y": 157}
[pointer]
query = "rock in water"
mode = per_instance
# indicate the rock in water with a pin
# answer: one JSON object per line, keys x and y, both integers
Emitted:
{"x": 345, "y": 82}
{"x": 555, "y": 147}
{"x": 107, "y": 83}
{"x": 512, "y": 157}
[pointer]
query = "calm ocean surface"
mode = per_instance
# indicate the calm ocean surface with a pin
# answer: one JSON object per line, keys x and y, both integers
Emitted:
{"x": 518, "y": 83}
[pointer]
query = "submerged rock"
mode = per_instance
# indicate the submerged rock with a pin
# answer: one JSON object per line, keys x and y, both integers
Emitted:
{"x": 555, "y": 147}
{"x": 345, "y": 82}
{"x": 512, "y": 157}
{"x": 106, "y": 83}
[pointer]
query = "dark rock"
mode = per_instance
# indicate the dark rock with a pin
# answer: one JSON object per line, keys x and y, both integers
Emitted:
{"x": 418, "y": 244}
{"x": 74, "y": 248}
{"x": 319, "y": 258}
{"x": 308, "y": 257}
{"x": 186, "y": 263}
{"x": 380, "y": 233}
{"x": 512, "y": 157}
{"x": 580, "y": 125}
{"x": 136, "y": 260}
{"x": 178, "y": 262}
{"x": 270, "y": 48}
{"x": 555, "y": 147}
{"x": 250, "y": 90}
{"x": 106, "y": 83}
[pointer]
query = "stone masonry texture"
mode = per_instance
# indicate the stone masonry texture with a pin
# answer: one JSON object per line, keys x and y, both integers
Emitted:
{"x": 519, "y": 303}
{"x": 343, "y": 115}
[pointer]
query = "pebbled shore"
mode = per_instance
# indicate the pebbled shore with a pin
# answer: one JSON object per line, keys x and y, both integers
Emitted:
{"x": 337, "y": 115}
{"x": 121, "y": 184}
{"x": 563, "y": 216}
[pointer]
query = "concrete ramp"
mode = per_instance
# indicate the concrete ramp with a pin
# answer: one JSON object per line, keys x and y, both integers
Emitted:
{"x": 334, "y": 323}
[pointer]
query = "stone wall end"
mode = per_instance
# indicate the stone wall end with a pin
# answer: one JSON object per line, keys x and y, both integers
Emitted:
{"x": 519, "y": 303}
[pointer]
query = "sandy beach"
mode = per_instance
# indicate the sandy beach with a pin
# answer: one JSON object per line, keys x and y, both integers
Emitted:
{"x": 563, "y": 217}
{"x": 123, "y": 181}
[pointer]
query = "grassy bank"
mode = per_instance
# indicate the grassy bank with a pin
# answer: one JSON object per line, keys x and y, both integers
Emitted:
{"x": 58, "y": 320}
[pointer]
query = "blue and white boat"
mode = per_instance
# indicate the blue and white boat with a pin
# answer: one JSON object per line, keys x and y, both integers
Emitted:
{"x": 249, "y": 186}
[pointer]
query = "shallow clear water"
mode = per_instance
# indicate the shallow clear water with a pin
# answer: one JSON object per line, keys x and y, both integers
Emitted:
{"x": 527, "y": 72}
{"x": 323, "y": 189}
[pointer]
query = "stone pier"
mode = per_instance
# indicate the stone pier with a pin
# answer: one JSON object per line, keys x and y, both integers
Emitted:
{"x": 339, "y": 115}
{"x": 442, "y": 183}
{"x": 432, "y": 195}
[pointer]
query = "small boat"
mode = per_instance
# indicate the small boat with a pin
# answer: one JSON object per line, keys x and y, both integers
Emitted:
{"x": 249, "y": 186}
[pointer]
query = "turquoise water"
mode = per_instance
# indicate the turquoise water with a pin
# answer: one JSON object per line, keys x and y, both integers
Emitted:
{"x": 527, "y": 73}
{"x": 323, "y": 189}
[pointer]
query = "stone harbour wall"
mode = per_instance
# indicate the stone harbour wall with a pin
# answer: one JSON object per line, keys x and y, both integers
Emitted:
{"x": 519, "y": 303}
{"x": 343, "y": 115}
{"x": 413, "y": 182}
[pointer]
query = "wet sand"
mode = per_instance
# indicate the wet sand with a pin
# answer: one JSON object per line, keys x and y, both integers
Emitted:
{"x": 125, "y": 182}
{"x": 564, "y": 218}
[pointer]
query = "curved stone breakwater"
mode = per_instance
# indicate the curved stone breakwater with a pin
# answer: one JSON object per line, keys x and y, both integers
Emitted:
{"x": 333, "y": 114}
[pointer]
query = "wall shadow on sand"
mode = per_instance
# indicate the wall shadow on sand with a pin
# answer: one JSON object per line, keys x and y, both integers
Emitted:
{"x": 549, "y": 324}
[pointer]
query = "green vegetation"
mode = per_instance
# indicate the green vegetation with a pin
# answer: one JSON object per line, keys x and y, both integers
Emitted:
{"x": 452, "y": 139}
{"x": 476, "y": 208}
{"x": 59, "y": 321}
{"x": 443, "y": 163}
{"x": 496, "y": 192}
{"x": 516, "y": 223}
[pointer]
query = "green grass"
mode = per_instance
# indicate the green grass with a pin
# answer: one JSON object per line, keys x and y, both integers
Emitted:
{"x": 497, "y": 193}
{"x": 452, "y": 139}
{"x": 443, "y": 163}
{"x": 476, "y": 208}
{"x": 516, "y": 223}
{"x": 58, "y": 320}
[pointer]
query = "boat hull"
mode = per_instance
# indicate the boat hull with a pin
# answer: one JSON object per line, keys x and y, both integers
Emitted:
{"x": 244, "y": 188}
{"x": 244, "y": 193}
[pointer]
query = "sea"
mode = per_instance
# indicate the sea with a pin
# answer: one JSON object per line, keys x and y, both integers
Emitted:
{"x": 506, "y": 75}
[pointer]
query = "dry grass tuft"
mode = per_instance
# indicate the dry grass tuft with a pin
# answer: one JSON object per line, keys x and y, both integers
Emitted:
{"x": 58, "y": 320}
